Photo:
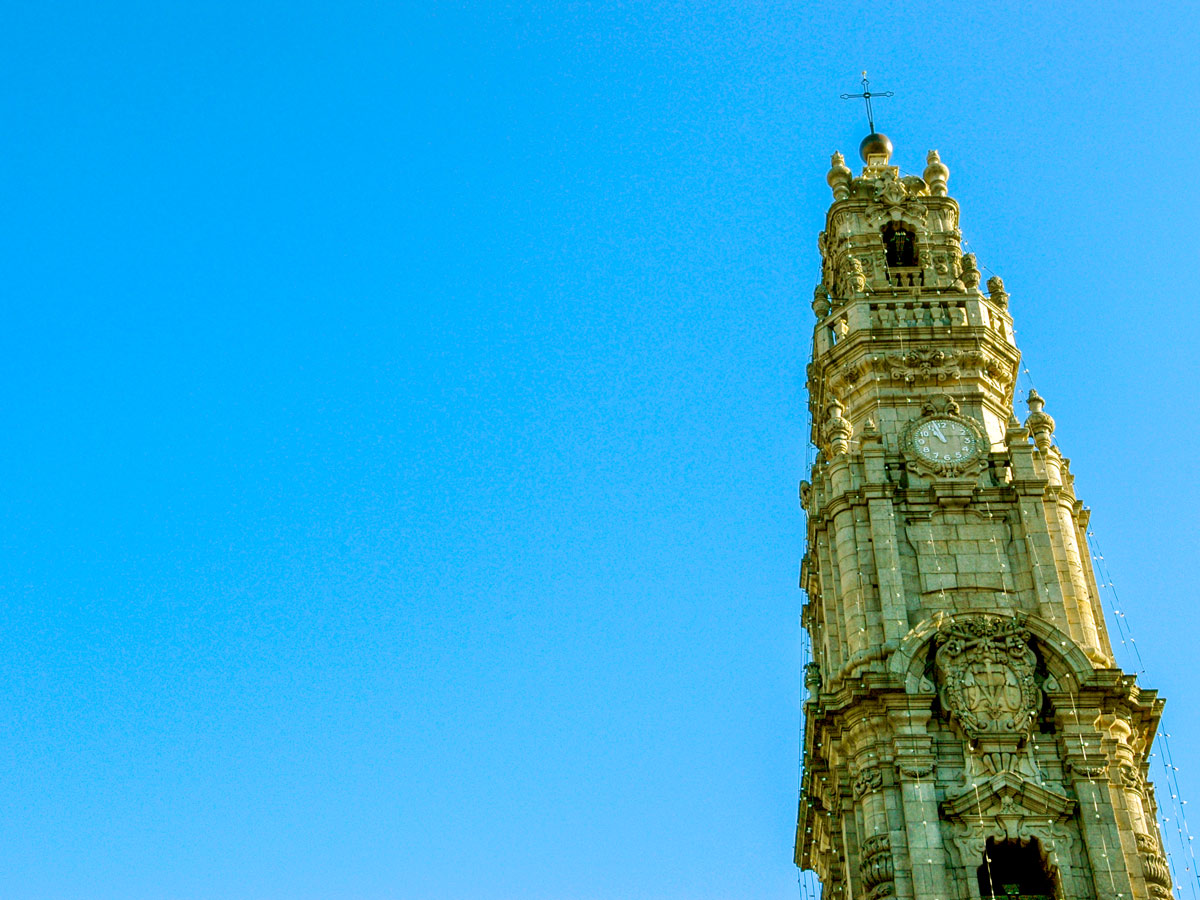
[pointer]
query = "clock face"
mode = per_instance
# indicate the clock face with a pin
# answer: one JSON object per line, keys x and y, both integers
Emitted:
{"x": 945, "y": 441}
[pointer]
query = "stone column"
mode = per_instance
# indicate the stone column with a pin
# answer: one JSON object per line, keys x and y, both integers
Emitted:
{"x": 915, "y": 766}
{"x": 1086, "y": 765}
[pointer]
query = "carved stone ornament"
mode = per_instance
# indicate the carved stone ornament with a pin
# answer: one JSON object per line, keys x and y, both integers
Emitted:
{"x": 839, "y": 177}
{"x": 1011, "y": 808}
{"x": 944, "y": 442}
{"x": 936, "y": 174}
{"x": 1090, "y": 770}
{"x": 820, "y": 302}
{"x": 985, "y": 668}
{"x": 970, "y": 272}
{"x": 868, "y": 781}
{"x": 918, "y": 365}
{"x": 853, "y": 280}
{"x": 812, "y": 678}
{"x": 878, "y": 869}
{"x": 1039, "y": 424}
{"x": 891, "y": 191}
{"x": 915, "y": 769}
{"x": 806, "y": 496}
{"x": 837, "y": 429}
{"x": 1154, "y": 865}
{"x": 895, "y": 199}
{"x": 1131, "y": 778}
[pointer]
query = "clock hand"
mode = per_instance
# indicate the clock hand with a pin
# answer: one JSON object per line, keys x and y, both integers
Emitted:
{"x": 937, "y": 429}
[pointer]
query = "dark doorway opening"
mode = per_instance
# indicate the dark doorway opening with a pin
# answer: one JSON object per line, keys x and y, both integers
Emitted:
{"x": 1014, "y": 870}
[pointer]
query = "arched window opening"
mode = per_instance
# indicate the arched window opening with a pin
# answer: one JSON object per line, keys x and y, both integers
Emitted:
{"x": 1014, "y": 870}
{"x": 901, "y": 247}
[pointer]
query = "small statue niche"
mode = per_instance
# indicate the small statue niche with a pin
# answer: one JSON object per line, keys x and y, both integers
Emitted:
{"x": 901, "y": 247}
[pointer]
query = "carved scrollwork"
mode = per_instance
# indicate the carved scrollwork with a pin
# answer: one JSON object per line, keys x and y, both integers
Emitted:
{"x": 1131, "y": 778}
{"x": 931, "y": 365}
{"x": 985, "y": 666}
{"x": 891, "y": 191}
{"x": 895, "y": 199}
{"x": 868, "y": 781}
{"x": 1154, "y": 864}
{"x": 997, "y": 370}
{"x": 924, "y": 364}
{"x": 878, "y": 869}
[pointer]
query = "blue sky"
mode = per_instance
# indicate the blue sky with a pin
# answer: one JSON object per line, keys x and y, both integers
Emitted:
{"x": 404, "y": 410}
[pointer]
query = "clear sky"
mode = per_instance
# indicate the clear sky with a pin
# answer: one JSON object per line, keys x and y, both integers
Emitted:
{"x": 404, "y": 408}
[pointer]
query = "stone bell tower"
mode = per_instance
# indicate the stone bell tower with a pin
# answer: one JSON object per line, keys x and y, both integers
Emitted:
{"x": 967, "y": 732}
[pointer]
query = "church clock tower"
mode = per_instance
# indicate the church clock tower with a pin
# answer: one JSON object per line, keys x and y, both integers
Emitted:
{"x": 967, "y": 732}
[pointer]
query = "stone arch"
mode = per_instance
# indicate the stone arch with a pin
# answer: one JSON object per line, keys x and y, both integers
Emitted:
{"x": 1061, "y": 655}
{"x": 1056, "y": 846}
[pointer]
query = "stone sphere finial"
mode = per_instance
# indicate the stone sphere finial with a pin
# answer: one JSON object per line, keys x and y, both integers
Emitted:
{"x": 839, "y": 177}
{"x": 936, "y": 174}
{"x": 875, "y": 144}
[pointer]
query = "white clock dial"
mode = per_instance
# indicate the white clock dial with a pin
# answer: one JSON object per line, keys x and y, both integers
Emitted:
{"x": 945, "y": 441}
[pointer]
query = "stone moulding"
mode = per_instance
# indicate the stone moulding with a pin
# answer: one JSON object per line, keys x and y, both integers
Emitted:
{"x": 1005, "y": 800}
{"x": 926, "y": 365}
{"x": 1064, "y": 658}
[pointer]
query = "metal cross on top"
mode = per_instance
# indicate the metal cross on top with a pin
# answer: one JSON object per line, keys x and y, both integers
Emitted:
{"x": 867, "y": 95}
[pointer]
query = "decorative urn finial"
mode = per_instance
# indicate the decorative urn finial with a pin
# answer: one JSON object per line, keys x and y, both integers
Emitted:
{"x": 820, "y": 301}
{"x": 1039, "y": 424}
{"x": 936, "y": 174}
{"x": 970, "y": 272}
{"x": 839, "y": 177}
{"x": 996, "y": 292}
{"x": 838, "y": 429}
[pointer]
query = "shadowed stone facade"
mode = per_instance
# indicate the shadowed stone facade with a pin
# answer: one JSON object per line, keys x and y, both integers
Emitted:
{"x": 967, "y": 732}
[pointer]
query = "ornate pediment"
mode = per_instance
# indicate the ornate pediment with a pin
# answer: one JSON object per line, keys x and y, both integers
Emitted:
{"x": 1008, "y": 796}
{"x": 1011, "y": 808}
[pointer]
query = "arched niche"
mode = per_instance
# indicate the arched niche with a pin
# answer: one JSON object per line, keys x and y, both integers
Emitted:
{"x": 1063, "y": 659}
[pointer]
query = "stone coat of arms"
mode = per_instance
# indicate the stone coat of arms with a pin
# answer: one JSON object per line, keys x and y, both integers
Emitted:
{"x": 985, "y": 667}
